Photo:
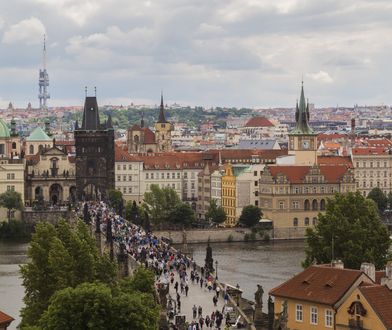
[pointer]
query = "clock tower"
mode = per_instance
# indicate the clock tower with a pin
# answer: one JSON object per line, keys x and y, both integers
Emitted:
{"x": 302, "y": 139}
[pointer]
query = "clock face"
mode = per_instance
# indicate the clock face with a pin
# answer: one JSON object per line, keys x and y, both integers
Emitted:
{"x": 305, "y": 144}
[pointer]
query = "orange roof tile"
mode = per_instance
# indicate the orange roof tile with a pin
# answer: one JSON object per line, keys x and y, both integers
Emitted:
{"x": 5, "y": 319}
{"x": 379, "y": 143}
{"x": 380, "y": 298}
{"x": 335, "y": 160}
{"x": 320, "y": 284}
{"x": 369, "y": 151}
{"x": 258, "y": 122}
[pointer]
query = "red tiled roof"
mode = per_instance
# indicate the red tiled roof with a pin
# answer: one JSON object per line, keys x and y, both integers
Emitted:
{"x": 149, "y": 136}
{"x": 379, "y": 143}
{"x": 296, "y": 174}
{"x": 379, "y": 275}
{"x": 333, "y": 136}
{"x": 258, "y": 122}
{"x": 5, "y": 319}
{"x": 369, "y": 151}
{"x": 320, "y": 284}
{"x": 380, "y": 298}
{"x": 335, "y": 160}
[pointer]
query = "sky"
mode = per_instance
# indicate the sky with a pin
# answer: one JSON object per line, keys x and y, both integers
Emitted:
{"x": 240, "y": 53}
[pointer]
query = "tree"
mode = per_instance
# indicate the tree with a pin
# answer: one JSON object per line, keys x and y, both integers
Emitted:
{"x": 182, "y": 215}
{"x": 250, "y": 215}
{"x": 60, "y": 257}
{"x": 11, "y": 200}
{"x": 352, "y": 224}
{"x": 215, "y": 213}
{"x": 132, "y": 213}
{"x": 159, "y": 203}
{"x": 116, "y": 199}
{"x": 379, "y": 197}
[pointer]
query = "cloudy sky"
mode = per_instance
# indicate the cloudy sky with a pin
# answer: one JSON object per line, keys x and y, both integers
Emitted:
{"x": 250, "y": 53}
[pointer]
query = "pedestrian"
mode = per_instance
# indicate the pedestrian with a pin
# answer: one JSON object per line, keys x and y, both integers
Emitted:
{"x": 207, "y": 321}
{"x": 194, "y": 311}
{"x": 215, "y": 300}
{"x": 201, "y": 322}
{"x": 200, "y": 311}
{"x": 201, "y": 282}
{"x": 182, "y": 288}
{"x": 186, "y": 290}
{"x": 178, "y": 297}
{"x": 217, "y": 291}
{"x": 176, "y": 286}
{"x": 226, "y": 297}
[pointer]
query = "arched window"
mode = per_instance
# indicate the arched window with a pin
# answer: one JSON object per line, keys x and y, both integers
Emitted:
{"x": 314, "y": 221}
{"x": 295, "y": 222}
{"x": 322, "y": 205}
{"x": 40, "y": 147}
{"x": 31, "y": 149}
{"x": 307, "y": 205}
{"x": 13, "y": 145}
{"x": 314, "y": 205}
{"x": 306, "y": 221}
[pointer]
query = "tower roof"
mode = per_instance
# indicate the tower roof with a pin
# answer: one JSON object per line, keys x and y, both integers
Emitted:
{"x": 90, "y": 114}
{"x": 4, "y": 131}
{"x": 302, "y": 116}
{"x": 38, "y": 134}
{"x": 162, "y": 118}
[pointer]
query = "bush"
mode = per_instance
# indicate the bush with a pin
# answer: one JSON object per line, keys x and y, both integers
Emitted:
{"x": 230, "y": 238}
{"x": 14, "y": 229}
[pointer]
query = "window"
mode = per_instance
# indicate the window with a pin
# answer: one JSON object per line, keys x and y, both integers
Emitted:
{"x": 173, "y": 175}
{"x": 124, "y": 178}
{"x": 167, "y": 175}
{"x": 124, "y": 167}
{"x": 314, "y": 221}
{"x": 129, "y": 177}
{"x": 31, "y": 149}
{"x": 130, "y": 190}
{"x": 129, "y": 167}
{"x": 192, "y": 185}
{"x": 256, "y": 183}
{"x": 328, "y": 318}
{"x": 162, "y": 175}
{"x": 146, "y": 176}
{"x": 178, "y": 175}
{"x": 295, "y": 222}
{"x": 295, "y": 205}
{"x": 299, "y": 313}
{"x": 313, "y": 315}
{"x": 306, "y": 221}
{"x": 256, "y": 203}
{"x": 118, "y": 177}
{"x": 255, "y": 173}
{"x": 152, "y": 175}
{"x": 118, "y": 167}
{"x": 281, "y": 205}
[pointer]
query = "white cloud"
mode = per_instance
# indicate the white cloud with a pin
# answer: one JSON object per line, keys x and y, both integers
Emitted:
{"x": 320, "y": 76}
{"x": 29, "y": 31}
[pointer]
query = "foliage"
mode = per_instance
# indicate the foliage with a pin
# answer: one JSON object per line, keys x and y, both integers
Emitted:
{"x": 352, "y": 224}
{"x": 142, "y": 280}
{"x": 250, "y": 215}
{"x": 60, "y": 257}
{"x": 96, "y": 306}
{"x": 11, "y": 200}
{"x": 159, "y": 203}
{"x": 215, "y": 213}
{"x": 14, "y": 229}
{"x": 182, "y": 215}
{"x": 379, "y": 197}
{"x": 116, "y": 199}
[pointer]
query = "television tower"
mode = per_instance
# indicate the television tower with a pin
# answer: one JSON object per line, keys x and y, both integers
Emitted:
{"x": 43, "y": 81}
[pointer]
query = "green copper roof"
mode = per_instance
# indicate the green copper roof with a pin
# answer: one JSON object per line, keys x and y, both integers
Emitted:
{"x": 4, "y": 131}
{"x": 302, "y": 116}
{"x": 238, "y": 169}
{"x": 38, "y": 134}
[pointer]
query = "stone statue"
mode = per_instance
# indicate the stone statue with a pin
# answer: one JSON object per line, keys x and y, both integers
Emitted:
{"x": 86, "y": 215}
{"x": 271, "y": 313}
{"x": 109, "y": 235}
{"x": 209, "y": 261}
{"x": 98, "y": 222}
{"x": 259, "y": 296}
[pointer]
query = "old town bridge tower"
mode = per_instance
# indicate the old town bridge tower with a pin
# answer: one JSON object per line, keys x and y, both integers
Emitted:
{"x": 94, "y": 142}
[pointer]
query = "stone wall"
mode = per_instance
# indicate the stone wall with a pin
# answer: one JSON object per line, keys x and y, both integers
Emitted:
{"x": 53, "y": 216}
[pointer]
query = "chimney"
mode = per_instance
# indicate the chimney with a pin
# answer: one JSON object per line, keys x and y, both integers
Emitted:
{"x": 338, "y": 264}
{"x": 369, "y": 269}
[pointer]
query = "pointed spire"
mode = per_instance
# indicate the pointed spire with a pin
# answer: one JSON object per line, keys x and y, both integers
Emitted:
{"x": 302, "y": 115}
{"x": 76, "y": 124}
{"x": 109, "y": 122}
{"x": 142, "y": 120}
{"x": 162, "y": 118}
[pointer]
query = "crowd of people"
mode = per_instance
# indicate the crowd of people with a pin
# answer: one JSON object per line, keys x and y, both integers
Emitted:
{"x": 170, "y": 267}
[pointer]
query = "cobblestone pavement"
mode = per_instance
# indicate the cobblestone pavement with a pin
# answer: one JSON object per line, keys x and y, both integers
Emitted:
{"x": 197, "y": 296}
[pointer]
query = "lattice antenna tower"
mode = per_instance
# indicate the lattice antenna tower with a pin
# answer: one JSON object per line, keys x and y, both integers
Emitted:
{"x": 43, "y": 81}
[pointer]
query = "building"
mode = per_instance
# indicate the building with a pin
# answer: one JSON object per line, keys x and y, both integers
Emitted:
{"x": 204, "y": 188}
{"x": 163, "y": 130}
{"x": 302, "y": 139}
{"x": 5, "y": 320}
{"x": 258, "y": 128}
{"x": 373, "y": 168}
{"x": 216, "y": 186}
{"x": 94, "y": 142}
{"x": 51, "y": 174}
{"x": 264, "y": 144}
{"x": 315, "y": 295}
{"x": 37, "y": 141}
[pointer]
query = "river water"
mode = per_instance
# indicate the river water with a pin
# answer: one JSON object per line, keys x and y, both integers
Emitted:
{"x": 247, "y": 264}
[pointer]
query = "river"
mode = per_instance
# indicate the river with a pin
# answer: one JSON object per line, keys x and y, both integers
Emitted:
{"x": 247, "y": 264}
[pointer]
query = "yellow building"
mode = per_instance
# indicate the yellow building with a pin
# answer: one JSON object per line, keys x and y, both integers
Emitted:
{"x": 367, "y": 307}
{"x": 314, "y": 296}
{"x": 229, "y": 195}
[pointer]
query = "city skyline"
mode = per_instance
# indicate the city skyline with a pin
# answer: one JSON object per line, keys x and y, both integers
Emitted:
{"x": 236, "y": 53}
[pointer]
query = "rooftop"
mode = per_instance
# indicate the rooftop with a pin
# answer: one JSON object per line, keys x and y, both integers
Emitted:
{"x": 258, "y": 122}
{"x": 38, "y": 134}
{"x": 5, "y": 319}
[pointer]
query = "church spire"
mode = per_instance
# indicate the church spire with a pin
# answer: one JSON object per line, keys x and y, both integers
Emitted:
{"x": 162, "y": 118}
{"x": 302, "y": 115}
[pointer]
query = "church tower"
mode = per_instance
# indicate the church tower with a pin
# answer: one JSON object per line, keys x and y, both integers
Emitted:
{"x": 94, "y": 144}
{"x": 163, "y": 130}
{"x": 302, "y": 139}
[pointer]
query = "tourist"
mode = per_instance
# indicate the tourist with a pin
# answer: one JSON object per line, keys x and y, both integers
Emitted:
{"x": 226, "y": 298}
{"x": 200, "y": 310}
{"x": 215, "y": 300}
{"x": 186, "y": 290}
{"x": 194, "y": 310}
{"x": 207, "y": 321}
{"x": 201, "y": 322}
{"x": 201, "y": 282}
{"x": 176, "y": 286}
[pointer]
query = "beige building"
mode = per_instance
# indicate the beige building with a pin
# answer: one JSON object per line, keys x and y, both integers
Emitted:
{"x": 50, "y": 173}
{"x": 37, "y": 141}
{"x": 373, "y": 168}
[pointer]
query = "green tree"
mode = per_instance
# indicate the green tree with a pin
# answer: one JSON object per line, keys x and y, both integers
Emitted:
{"x": 132, "y": 213}
{"x": 11, "y": 200}
{"x": 60, "y": 257}
{"x": 182, "y": 215}
{"x": 215, "y": 213}
{"x": 379, "y": 197}
{"x": 116, "y": 199}
{"x": 159, "y": 203}
{"x": 352, "y": 224}
{"x": 250, "y": 215}
{"x": 389, "y": 200}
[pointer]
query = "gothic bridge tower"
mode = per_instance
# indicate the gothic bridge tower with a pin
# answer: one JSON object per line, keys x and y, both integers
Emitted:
{"x": 163, "y": 130}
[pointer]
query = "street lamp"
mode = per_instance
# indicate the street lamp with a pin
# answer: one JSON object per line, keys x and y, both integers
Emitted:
{"x": 216, "y": 269}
